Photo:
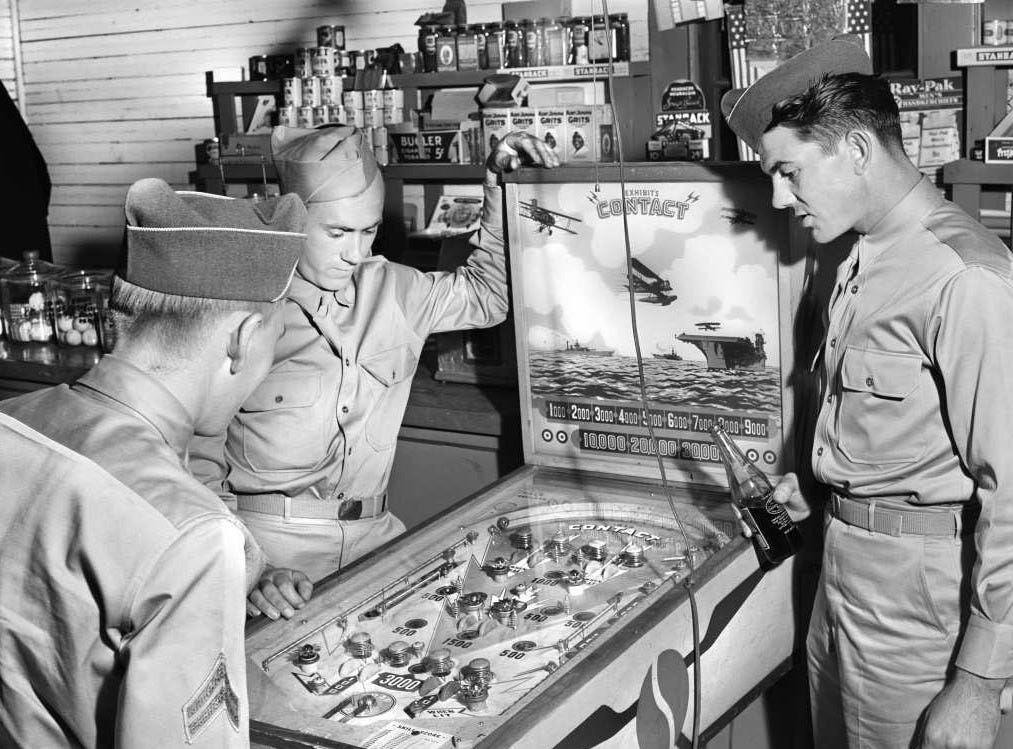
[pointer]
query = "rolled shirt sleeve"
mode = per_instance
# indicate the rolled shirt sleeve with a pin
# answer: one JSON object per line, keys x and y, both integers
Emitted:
{"x": 472, "y": 296}
{"x": 185, "y": 677}
{"x": 973, "y": 338}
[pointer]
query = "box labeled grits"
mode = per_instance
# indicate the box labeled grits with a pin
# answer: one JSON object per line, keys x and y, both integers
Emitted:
{"x": 550, "y": 126}
{"x": 523, "y": 120}
{"x": 581, "y": 137}
{"x": 496, "y": 123}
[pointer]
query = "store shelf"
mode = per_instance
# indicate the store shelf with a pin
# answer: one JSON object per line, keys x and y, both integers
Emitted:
{"x": 966, "y": 171}
{"x": 449, "y": 79}
{"x": 984, "y": 56}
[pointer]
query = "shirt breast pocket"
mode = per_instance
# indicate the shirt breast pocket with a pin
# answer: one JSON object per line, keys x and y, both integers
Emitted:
{"x": 387, "y": 379}
{"x": 880, "y": 419}
{"x": 281, "y": 429}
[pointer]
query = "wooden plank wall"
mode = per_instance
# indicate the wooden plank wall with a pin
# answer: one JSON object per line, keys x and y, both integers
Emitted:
{"x": 7, "y": 50}
{"x": 114, "y": 90}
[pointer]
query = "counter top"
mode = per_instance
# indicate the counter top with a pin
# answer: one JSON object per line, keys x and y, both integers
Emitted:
{"x": 449, "y": 406}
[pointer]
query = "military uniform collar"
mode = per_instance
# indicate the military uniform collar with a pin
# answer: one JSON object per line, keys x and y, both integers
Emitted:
{"x": 317, "y": 301}
{"x": 900, "y": 221}
{"x": 122, "y": 382}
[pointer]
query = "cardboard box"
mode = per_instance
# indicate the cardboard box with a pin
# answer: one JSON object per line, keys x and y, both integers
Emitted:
{"x": 580, "y": 137}
{"x": 998, "y": 150}
{"x": 550, "y": 126}
{"x": 523, "y": 120}
{"x": 495, "y": 125}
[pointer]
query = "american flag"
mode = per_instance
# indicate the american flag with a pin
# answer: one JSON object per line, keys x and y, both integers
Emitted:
{"x": 746, "y": 72}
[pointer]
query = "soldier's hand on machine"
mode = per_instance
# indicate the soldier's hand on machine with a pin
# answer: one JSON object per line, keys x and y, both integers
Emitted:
{"x": 520, "y": 149}
{"x": 280, "y": 592}
{"x": 787, "y": 493}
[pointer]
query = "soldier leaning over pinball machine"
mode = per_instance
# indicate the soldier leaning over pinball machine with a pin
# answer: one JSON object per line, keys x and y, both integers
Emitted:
{"x": 305, "y": 464}
{"x": 123, "y": 586}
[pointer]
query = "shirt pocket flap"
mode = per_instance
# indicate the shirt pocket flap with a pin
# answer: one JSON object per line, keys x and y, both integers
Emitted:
{"x": 881, "y": 373}
{"x": 285, "y": 390}
{"x": 390, "y": 366}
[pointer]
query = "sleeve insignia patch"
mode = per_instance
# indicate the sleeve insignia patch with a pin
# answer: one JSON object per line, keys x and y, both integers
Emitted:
{"x": 214, "y": 696}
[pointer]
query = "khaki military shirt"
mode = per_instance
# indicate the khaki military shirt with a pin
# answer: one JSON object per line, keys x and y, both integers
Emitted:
{"x": 324, "y": 423}
{"x": 122, "y": 587}
{"x": 917, "y": 408}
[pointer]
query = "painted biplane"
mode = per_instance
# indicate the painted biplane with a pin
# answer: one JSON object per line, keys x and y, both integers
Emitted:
{"x": 546, "y": 218}
{"x": 708, "y": 326}
{"x": 656, "y": 290}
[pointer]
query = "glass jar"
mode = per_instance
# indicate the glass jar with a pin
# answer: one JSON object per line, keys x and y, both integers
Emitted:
{"x": 620, "y": 23}
{"x": 24, "y": 300}
{"x": 78, "y": 299}
{"x": 467, "y": 48}
{"x": 514, "y": 52}
{"x": 494, "y": 38}
{"x": 446, "y": 49}
{"x": 557, "y": 47}
{"x": 427, "y": 47}
{"x": 578, "y": 40}
{"x": 479, "y": 30}
{"x": 601, "y": 43}
{"x": 534, "y": 42}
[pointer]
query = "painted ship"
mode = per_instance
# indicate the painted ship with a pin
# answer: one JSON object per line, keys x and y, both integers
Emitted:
{"x": 670, "y": 355}
{"x": 577, "y": 348}
{"x": 727, "y": 351}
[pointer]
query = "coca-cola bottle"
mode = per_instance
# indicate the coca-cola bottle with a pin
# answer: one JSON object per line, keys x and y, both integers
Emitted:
{"x": 774, "y": 533}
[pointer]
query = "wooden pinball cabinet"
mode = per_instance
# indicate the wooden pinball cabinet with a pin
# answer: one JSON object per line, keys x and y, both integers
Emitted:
{"x": 576, "y": 601}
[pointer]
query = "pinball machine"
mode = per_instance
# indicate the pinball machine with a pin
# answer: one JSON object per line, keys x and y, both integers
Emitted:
{"x": 554, "y": 608}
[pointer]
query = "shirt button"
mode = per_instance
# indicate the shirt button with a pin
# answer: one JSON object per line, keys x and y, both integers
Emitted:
{"x": 854, "y": 289}
{"x": 830, "y": 398}
{"x": 833, "y": 342}
{"x": 344, "y": 409}
{"x": 868, "y": 382}
{"x": 341, "y": 495}
{"x": 819, "y": 451}
{"x": 348, "y": 362}
{"x": 278, "y": 399}
{"x": 349, "y": 451}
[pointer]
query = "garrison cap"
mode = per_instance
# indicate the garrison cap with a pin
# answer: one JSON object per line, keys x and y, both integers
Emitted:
{"x": 748, "y": 110}
{"x": 209, "y": 246}
{"x": 329, "y": 163}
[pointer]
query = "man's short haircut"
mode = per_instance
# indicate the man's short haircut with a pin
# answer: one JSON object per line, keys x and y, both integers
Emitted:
{"x": 836, "y": 104}
{"x": 178, "y": 326}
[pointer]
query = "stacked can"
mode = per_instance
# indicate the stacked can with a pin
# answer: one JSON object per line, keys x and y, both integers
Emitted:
{"x": 312, "y": 101}
{"x": 331, "y": 36}
{"x": 393, "y": 106}
{"x": 353, "y": 102}
{"x": 995, "y": 32}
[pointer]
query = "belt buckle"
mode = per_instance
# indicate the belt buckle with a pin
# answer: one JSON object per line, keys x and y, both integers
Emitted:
{"x": 350, "y": 509}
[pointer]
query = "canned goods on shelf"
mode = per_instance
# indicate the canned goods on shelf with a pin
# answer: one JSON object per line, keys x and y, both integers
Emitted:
{"x": 336, "y": 113}
{"x": 325, "y": 36}
{"x": 494, "y": 35}
{"x": 446, "y": 49}
{"x": 354, "y": 117}
{"x": 480, "y": 31}
{"x": 994, "y": 32}
{"x": 258, "y": 68}
{"x": 322, "y": 61}
{"x": 372, "y": 117}
{"x": 393, "y": 116}
{"x": 338, "y": 35}
{"x": 372, "y": 98}
{"x": 331, "y": 89}
{"x": 288, "y": 116}
{"x": 306, "y": 117}
{"x": 291, "y": 92}
{"x": 303, "y": 63}
{"x": 352, "y": 99}
{"x": 393, "y": 98}
{"x": 321, "y": 115}
{"x": 312, "y": 93}
{"x": 600, "y": 41}
{"x": 467, "y": 48}
{"x": 427, "y": 47}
